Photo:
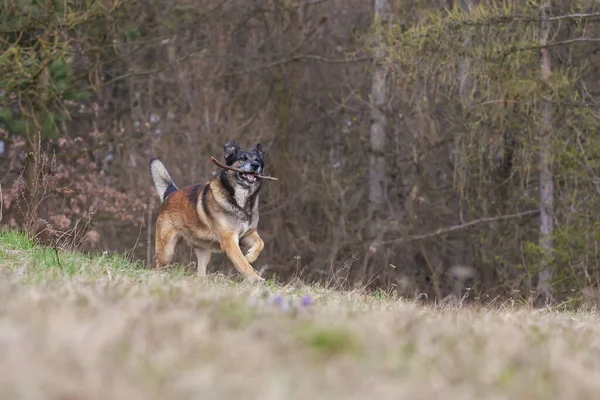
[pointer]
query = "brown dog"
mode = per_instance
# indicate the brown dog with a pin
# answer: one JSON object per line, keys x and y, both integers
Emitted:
{"x": 219, "y": 215}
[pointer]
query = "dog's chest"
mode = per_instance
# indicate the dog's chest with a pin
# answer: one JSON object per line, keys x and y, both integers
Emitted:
{"x": 241, "y": 196}
{"x": 246, "y": 201}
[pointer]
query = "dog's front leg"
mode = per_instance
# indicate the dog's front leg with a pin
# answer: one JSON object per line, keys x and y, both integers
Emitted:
{"x": 229, "y": 244}
{"x": 255, "y": 244}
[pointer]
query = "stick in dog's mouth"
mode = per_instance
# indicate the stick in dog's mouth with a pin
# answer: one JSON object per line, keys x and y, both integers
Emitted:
{"x": 221, "y": 165}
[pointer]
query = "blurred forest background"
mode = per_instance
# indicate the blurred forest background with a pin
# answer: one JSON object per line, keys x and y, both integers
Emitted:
{"x": 441, "y": 148}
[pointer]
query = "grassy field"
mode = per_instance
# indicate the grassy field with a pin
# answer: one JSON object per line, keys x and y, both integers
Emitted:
{"x": 105, "y": 328}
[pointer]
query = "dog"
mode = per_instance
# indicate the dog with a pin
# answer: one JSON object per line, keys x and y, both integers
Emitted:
{"x": 213, "y": 217}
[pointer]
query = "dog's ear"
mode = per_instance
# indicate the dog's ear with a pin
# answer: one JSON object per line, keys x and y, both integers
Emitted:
{"x": 260, "y": 150}
{"x": 230, "y": 149}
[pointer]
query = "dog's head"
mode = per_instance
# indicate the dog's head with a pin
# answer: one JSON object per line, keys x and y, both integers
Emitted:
{"x": 251, "y": 161}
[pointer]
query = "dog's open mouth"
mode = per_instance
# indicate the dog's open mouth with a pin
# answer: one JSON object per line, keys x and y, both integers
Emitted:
{"x": 249, "y": 177}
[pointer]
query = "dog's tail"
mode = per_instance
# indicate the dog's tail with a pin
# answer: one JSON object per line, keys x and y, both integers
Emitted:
{"x": 162, "y": 180}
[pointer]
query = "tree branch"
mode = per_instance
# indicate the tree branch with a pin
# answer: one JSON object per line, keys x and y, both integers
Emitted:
{"x": 557, "y": 18}
{"x": 506, "y": 19}
{"x": 484, "y": 103}
{"x": 572, "y": 16}
{"x": 442, "y": 231}
{"x": 553, "y": 44}
{"x": 561, "y": 43}
{"x": 331, "y": 60}
{"x": 312, "y": 2}
{"x": 146, "y": 72}
{"x": 240, "y": 72}
{"x": 298, "y": 58}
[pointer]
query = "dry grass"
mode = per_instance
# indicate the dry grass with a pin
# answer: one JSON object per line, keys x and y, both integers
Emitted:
{"x": 99, "y": 328}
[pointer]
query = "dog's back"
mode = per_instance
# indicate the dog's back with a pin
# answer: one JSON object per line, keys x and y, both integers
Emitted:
{"x": 185, "y": 213}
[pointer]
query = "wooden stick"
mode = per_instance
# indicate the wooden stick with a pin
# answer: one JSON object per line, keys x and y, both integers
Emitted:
{"x": 241, "y": 171}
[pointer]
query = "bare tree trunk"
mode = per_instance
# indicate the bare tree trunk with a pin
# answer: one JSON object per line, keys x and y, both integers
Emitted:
{"x": 338, "y": 140}
{"x": 546, "y": 178}
{"x": 377, "y": 137}
{"x": 466, "y": 81}
{"x": 337, "y": 162}
{"x": 459, "y": 258}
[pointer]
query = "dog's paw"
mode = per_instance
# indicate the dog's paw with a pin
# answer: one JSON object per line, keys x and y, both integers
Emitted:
{"x": 257, "y": 280}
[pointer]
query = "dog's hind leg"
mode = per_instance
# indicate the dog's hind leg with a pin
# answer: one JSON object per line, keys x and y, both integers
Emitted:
{"x": 203, "y": 259}
{"x": 166, "y": 239}
{"x": 255, "y": 244}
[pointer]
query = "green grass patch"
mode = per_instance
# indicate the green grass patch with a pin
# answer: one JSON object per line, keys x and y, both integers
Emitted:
{"x": 330, "y": 340}
{"x": 15, "y": 240}
{"x": 234, "y": 313}
{"x": 18, "y": 251}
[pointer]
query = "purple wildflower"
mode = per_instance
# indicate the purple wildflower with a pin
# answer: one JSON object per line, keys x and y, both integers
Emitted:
{"x": 278, "y": 300}
{"x": 306, "y": 301}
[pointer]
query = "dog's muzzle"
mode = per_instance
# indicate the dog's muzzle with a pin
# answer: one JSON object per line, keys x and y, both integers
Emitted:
{"x": 250, "y": 178}
{"x": 253, "y": 169}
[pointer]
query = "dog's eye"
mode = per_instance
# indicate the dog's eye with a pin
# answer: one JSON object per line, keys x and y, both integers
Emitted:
{"x": 244, "y": 158}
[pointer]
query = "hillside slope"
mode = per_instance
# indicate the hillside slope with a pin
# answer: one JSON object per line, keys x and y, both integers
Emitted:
{"x": 104, "y": 328}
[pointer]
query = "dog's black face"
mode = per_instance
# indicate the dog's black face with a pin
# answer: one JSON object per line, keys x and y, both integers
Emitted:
{"x": 251, "y": 161}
